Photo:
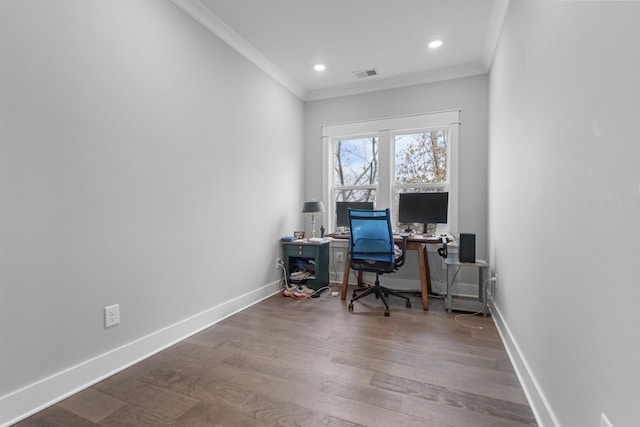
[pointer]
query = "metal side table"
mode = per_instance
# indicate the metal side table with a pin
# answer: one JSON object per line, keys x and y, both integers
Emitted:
{"x": 454, "y": 266}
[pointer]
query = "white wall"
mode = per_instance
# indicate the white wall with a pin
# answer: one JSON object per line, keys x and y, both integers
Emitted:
{"x": 470, "y": 95}
{"x": 564, "y": 188}
{"x": 144, "y": 163}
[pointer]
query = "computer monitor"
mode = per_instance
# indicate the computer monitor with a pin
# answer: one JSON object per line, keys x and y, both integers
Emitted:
{"x": 342, "y": 211}
{"x": 424, "y": 208}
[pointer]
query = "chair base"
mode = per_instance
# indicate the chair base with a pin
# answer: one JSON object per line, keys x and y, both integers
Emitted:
{"x": 381, "y": 293}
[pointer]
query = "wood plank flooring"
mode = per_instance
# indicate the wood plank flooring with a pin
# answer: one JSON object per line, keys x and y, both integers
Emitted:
{"x": 286, "y": 362}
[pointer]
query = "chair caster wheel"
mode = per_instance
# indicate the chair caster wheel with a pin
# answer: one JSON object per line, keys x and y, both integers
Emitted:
{"x": 408, "y": 304}
{"x": 387, "y": 314}
{"x": 351, "y": 307}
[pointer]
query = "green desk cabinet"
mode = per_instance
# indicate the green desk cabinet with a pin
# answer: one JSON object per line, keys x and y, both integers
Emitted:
{"x": 308, "y": 262}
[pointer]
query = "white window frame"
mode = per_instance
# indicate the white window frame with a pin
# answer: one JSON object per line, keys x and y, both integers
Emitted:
{"x": 386, "y": 129}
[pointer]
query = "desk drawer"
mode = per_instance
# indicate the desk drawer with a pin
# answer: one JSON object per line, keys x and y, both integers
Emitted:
{"x": 300, "y": 250}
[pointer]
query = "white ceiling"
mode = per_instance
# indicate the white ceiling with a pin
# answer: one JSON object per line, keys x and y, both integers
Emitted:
{"x": 286, "y": 38}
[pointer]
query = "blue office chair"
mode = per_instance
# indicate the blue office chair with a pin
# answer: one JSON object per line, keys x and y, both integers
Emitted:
{"x": 372, "y": 249}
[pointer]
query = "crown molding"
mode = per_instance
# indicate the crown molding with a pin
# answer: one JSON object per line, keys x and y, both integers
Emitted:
{"x": 217, "y": 26}
{"x": 442, "y": 74}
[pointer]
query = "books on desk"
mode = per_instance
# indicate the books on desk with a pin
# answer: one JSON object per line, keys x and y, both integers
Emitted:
{"x": 309, "y": 240}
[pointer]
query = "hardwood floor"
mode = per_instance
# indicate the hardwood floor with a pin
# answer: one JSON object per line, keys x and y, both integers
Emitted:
{"x": 285, "y": 362}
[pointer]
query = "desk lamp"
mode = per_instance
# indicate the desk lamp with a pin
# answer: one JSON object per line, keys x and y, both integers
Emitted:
{"x": 312, "y": 208}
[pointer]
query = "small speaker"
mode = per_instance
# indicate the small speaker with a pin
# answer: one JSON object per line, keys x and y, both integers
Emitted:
{"x": 467, "y": 247}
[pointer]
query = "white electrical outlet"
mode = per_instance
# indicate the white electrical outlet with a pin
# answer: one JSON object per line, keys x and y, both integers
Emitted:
{"x": 277, "y": 263}
{"x": 339, "y": 256}
{"x": 111, "y": 315}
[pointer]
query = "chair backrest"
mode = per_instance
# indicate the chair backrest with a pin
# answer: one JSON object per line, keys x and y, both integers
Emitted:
{"x": 371, "y": 236}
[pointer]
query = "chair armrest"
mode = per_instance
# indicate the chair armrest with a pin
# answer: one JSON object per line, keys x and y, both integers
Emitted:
{"x": 400, "y": 260}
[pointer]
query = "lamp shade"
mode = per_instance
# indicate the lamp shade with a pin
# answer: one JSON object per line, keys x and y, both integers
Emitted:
{"x": 312, "y": 207}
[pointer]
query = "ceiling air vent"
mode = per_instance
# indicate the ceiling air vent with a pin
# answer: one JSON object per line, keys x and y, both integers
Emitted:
{"x": 366, "y": 73}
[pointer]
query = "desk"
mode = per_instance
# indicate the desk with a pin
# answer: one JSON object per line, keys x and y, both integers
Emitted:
{"x": 415, "y": 243}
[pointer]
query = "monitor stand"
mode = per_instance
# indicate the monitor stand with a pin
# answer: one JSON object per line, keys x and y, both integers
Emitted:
{"x": 429, "y": 227}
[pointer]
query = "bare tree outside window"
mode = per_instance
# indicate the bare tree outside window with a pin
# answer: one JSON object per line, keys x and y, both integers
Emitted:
{"x": 420, "y": 164}
{"x": 356, "y": 169}
{"x": 421, "y": 158}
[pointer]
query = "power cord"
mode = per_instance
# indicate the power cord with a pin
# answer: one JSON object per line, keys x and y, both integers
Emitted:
{"x": 300, "y": 292}
{"x": 482, "y": 309}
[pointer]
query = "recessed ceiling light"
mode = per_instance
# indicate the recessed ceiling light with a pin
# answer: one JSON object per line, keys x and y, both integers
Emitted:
{"x": 435, "y": 44}
{"x": 319, "y": 67}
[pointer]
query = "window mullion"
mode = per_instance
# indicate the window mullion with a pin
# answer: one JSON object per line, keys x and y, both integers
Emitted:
{"x": 385, "y": 156}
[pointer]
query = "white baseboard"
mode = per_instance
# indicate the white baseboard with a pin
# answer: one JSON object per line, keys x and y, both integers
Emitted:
{"x": 28, "y": 400}
{"x": 537, "y": 400}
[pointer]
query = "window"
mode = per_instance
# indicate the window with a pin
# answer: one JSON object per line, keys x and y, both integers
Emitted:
{"x": 355, "y": 168}
{"x": 376, "y": 160}
{"x": 420, "y": 164}
{"x": 421, "y": 159}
